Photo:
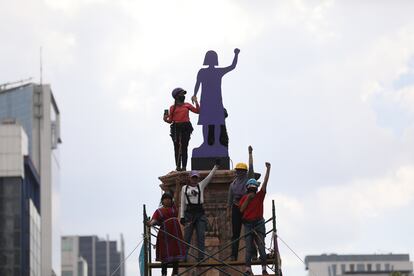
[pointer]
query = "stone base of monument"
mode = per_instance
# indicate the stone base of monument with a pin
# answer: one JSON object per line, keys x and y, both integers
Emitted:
{"x": 204, "y": 157}
{"x": 218, "y": 230}
{"x": 207, "y": 163}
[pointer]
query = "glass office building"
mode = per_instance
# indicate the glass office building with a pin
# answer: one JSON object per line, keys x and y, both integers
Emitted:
{"x": 19, "y": 206}
{"x": 17, "y": 104}
{"x": 102, "y": 257}
{"x": 34, "y": 107}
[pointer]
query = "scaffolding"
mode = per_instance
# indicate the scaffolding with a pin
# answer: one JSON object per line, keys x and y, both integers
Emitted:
{"x": 211, "y": 261}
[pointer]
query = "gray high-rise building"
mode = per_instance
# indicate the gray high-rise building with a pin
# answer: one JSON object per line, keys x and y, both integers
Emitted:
{"x": 356, "y": 265}
{"x": 33, "y": 106}
{"x": 19, "y": 205}
{"x": 91, "y": 256}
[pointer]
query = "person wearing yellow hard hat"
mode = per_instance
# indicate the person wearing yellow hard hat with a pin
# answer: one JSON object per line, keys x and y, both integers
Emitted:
{"x": 237, "y": 190}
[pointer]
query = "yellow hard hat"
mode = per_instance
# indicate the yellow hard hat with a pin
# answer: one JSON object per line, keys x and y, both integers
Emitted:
{"x": 241, "y": 166}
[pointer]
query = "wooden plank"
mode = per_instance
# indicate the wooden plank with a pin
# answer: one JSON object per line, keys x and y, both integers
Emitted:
{"x": 213, "y": 263}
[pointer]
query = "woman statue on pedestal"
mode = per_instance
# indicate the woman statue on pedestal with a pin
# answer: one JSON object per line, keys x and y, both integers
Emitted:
{"x": 212, "y": 113}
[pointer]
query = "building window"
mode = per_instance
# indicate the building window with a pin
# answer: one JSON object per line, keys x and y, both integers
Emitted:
{"x": 369, "y": 267}
{"x": 334, "y": 269}
{"x": 343, "y": 266}
{"x": 378, "y": 267}
{"x": 352, "y": 267}
{"x": 54, "y": 135}
{"x": 387, "y": 267}
{"x": 360, "y": 267}
{"x": 67, "y": 245}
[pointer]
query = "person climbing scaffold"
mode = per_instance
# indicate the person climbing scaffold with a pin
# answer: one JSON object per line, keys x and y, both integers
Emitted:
{"x": 251, "y": 207}
{"x": 236, "y": 191}
{"x": 169, "y": 248}
{"x": 191, "y": 210}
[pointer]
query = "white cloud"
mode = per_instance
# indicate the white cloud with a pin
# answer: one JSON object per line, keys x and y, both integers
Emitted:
{"x": 167, "y": 32}
{"x": 369, "y": 89}
{"x": 369, "y": 197}
{"x": 137, "y": 98}
{"x": 332, "y": 213}
{"x": 331, "y": 219}
{"x": 70, "y": 7}
{"x": 58, "y": 48}
{"x": 377, "y": 69}
{"x": 131, "y": 100}
{"x": 290, "y": 210}
{"x": 385, "y": 60}
{"x": 406, "y": 98}
{"x": 310, "y": 16}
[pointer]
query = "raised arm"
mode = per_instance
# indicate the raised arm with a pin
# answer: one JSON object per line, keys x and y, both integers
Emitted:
{"x": 207, "y": 180}
{"x": 266, "y": 178}
{"x": 233, "y": 64}
{"x": 195, "y": 109}
{"x": 250, "y": 173}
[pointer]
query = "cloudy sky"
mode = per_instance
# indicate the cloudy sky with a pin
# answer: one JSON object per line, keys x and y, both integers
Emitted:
{"x": 324, "y": 90}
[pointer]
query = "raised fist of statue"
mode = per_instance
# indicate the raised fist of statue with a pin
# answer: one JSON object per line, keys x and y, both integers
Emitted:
{"x": 250, "y": 149}
{"x": 268, "y": 165}
{"x": 237, "y": 51}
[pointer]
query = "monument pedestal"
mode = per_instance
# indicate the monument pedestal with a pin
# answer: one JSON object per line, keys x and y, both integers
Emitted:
{"x": 218, "y": 230}
{"x": 204, "y": 157}
{"x": 207, "y": 163}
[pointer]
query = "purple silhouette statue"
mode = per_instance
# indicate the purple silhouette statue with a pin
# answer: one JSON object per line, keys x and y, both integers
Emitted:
{"x": 212, "y": 112}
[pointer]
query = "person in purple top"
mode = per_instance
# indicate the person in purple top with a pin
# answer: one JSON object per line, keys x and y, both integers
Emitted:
{"x": 212, "y": 114}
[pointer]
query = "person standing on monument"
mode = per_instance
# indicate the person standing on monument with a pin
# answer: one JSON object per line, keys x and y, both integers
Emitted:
{"x": 237, "y": 190}
{"x": 191, "y": 210}
{"x": 181, "y": 128}
{"x": 169, "y": 248}
{"x": 212, "y": 110}
{"x": 251, "y": 207}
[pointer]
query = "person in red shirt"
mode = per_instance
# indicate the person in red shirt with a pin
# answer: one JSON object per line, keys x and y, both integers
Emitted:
{"x": 181, "y": 128}
{"x": 251, "y": 207}
{"x": 169, "y": 246}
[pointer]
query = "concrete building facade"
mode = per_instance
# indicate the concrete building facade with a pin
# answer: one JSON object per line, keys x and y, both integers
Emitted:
{"x": 376, "y": 264}
{"x": 91, "y": 256}
{"x": 20, "y": 225}
{"x": 72, "y": 262}
{"x": 34, "y": 108}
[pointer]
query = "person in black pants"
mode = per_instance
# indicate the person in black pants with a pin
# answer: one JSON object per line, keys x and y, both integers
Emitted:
{"x": 237, "y": 190}
{"x": 192, "y": 211}
{"x": 181, "y": 128}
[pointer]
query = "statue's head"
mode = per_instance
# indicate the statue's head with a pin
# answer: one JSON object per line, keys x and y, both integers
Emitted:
{"x": 211, "y": 58}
